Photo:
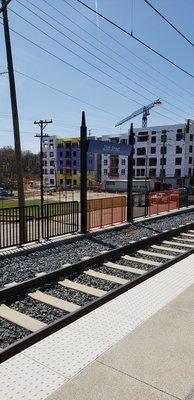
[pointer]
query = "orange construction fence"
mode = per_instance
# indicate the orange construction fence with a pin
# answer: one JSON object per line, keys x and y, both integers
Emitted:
{"x": 165, "y": 201}
{"x": 106, "y": 211}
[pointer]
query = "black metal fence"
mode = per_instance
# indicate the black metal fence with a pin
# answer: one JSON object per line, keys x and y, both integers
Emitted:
{"x": 19, "y": 226}
{"x": 60, "y": 218}
{"x": 29, "y": 224}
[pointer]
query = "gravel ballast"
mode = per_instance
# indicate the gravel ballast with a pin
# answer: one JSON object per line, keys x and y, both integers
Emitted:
{"x": 23, "y": 267}
{"x": 10, "y": 333}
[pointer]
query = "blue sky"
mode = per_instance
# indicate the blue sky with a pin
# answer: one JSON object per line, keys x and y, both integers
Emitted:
{"x": 39, "y": 102}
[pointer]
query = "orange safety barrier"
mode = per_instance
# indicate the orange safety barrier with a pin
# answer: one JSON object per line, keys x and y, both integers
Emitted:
{"x": 159, "y": 202}
{"x": 106, "y": 211}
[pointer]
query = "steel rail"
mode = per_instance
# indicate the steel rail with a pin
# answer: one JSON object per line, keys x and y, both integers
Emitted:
{"x": 33, "y": 338}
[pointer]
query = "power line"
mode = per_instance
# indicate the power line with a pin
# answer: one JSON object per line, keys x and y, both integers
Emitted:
{"x": 170, "y": 23}
{"x": 82, "y": 58}
{"x": 124, "y": 47}
{"x": 84, "y": 73}
{"x": 137, "y": 39}
{"x": 70, "y": 65}
{"x": 98, "y": 58}
{"x": 94, "y": 66}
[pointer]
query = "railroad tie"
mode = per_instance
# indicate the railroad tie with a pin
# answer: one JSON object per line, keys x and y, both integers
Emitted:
{"x": 178, "y": 244}
{"x": 159, "y": 255}
{"x": 54, "y": 301}
{"x": 82, "y": 288}
{"x": 18, "y": 318}
{"x": 170, "y": 249}
{"x": 125, "y": 268}
{"x": 106, "y": 277}
{"x": 141, "y": 260}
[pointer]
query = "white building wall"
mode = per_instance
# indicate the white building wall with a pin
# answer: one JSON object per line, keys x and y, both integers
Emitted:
{"x": 187, "y": 155}
{"x": 49, "y": 157}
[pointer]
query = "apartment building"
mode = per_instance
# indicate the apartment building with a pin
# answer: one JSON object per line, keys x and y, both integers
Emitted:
{"x": 159, "y": 151}
{"x": 61, "y": 162}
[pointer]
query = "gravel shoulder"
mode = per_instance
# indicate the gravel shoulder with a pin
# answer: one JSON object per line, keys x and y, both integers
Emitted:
{"x": 22, "y": 267}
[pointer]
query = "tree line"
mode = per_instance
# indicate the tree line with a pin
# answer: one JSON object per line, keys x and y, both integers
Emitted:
{"x": 8, "y": 176}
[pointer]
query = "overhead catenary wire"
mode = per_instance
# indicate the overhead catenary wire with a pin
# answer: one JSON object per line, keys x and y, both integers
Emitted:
{"x": 137, "y": 39}
{"x": 170, "y": 23}
{"x": 81, "y": 71}
{"x": 126, "y": 48}
{"x": 94, "y": 55}
{"x": 94, "y": 66}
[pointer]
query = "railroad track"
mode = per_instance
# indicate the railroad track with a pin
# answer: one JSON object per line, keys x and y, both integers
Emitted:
{"x": 33, "y": 309}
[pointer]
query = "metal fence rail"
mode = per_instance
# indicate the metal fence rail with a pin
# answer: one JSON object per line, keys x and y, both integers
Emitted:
{"x": 60, "y": 218}
{"x": 19, "y": 226}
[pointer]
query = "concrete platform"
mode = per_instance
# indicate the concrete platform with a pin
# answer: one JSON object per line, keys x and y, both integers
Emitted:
{"x": 156, "y": 361}
{"x": 139, "y": 346}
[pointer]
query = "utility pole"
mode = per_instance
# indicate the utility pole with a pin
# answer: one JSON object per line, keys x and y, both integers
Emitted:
{"x": 130, "y": 178}
{"x": 83, "y": 170}
{"x": 163, "y": 154}
{"x": 16, "y": 128}
{"x": 42, "y": 125}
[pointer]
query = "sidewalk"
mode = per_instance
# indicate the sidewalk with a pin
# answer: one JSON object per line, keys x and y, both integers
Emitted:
{"x": 155, "y": 361}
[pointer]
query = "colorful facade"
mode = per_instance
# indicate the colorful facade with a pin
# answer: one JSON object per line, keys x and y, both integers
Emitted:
{"x": 61, "y": 163}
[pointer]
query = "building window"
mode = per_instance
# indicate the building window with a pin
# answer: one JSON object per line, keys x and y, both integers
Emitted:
{"x": 74, "y": 163}
{"x": 191, "y": 137}
{"x": 105, "y": 171}
{"x": 179, "y": 130}
{"x": 51, "y": 154}
{"x": 61, "y": 171}
{"x": 153, "y": 162}
{"x": 162, "y": 172}
{"x": 142, "y": 136}
{"x": 60, "y": 154}
{"x": 123, "y": 140}
{"x": 153, "y": 150}
{"x": 153, "y": 132}
{"x": 133, "y": 172}
{"x": 190, "y": 160}
{"x": 163, "y": 150}
{"x": 61, "y": 181}
{"x": 52, "y": 182}
{"x": 123, "y": 161}
{"x": 179, "y": 136}
{"x": 123, "y": 171}
{"x": 141, "y": 151}
{"x": 163, "y": 161}
{"x": 51, "y": 171}
{"x": 74, "y": 154}
{"x": 142, "y": 172}
{"x": 190, "y": 149}
{"x": 178, "y": 161}
{"x": 178, "y": 150}
{"x": 138, "y": 172}
{"x": 61, "y": 162}
{"x": 52, "y": 163}
{"x": 133, "y": 161}
{"x": 177, "y": 172}
{"x": 189, "y": 171}
{"x": 45, "y": 172}
{"x": 105, "y": 162}
{"x": 74, "y": 172}
{"x": 140, "y": 162}
{"x": 68, "y": 154}
{"x": 152, "y": 172}
{"x": 153, "y": 139}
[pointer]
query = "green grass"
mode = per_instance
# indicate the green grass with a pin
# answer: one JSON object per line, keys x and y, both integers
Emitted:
{"x": 14, "y": 203}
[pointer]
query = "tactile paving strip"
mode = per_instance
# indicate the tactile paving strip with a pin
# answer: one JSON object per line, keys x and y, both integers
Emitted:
{"x": 62, "y": 355}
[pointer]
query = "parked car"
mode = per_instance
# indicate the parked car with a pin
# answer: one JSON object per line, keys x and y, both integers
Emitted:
{"x": 6, "y": 193}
